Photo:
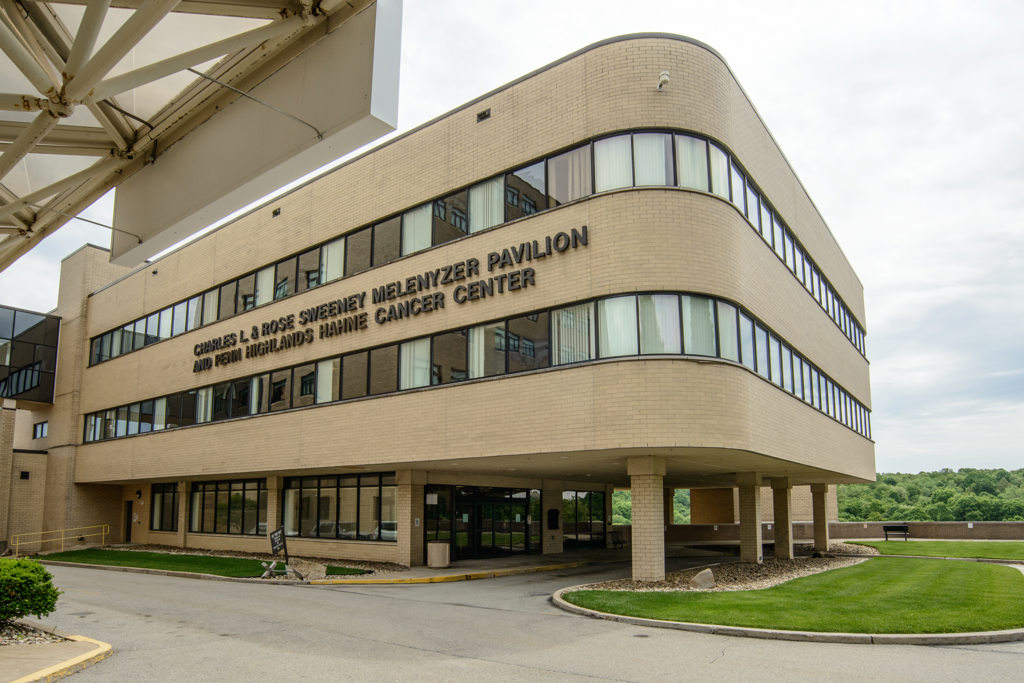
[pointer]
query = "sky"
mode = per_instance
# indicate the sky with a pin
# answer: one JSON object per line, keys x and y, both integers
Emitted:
{"x": 902, "y": 120}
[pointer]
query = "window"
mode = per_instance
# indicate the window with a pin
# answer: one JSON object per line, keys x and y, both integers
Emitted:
{"x": 698, "y": 326}
{"x": 40, "y": 429}
{"x": 485, "y": 206}
{"x": 357, "y": 248}
{"x": 652, "y": 159}
{"x": 360, "y": 507}
{"x": 487, "y": 350}
{"x": 450, "y": 219}
{"x": 284, "y": 278}
{"x": 727, "y": 332}
{"x": 572, "y": 334}
{"x": 449, "y": 357}
{"x": 739, "y": 192}
{"x": 414, "y": 363}
{"x": 416, "y": 227}
{"x": 526, "y": 186}
{"x": 332, "y": 260}
{"x": 229, "y": 507}
{"x": 719, "y": 171}
{"x": 308, "y": 270}
{"x": 354, "y": 375}
{"x": 617, "y": 326}
{"x": 384, "y": 370}
{"x": 328, "y": 380}
{"x": 692, "y": 162}
{"x": 387, "y": 241}
{"x": 532, "y": 332}
{"x": 568, "y": 176}
{"x": 613, "y": 163}
{"x": 163, "y": 507}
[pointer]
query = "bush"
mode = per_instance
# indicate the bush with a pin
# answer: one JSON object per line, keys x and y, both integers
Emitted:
{"x": 25, "y": 588}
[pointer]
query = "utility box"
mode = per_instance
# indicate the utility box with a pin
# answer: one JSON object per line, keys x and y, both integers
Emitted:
{"x": 438, "y": 554}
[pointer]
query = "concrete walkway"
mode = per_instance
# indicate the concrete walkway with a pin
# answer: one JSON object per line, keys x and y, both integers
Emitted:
{"x": 50, "y": 661}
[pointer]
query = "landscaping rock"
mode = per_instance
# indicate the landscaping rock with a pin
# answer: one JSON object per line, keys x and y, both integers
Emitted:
{"x": 704, "y": 580}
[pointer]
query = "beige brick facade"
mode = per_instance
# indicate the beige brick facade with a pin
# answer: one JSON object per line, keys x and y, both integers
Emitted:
{"x": 709, "y": 423}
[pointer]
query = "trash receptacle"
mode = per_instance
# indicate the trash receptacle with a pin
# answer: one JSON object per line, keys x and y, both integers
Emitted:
{"x": 438, "y": 554}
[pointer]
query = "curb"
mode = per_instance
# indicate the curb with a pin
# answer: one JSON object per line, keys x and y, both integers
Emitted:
{"x": 469, "y": 576}
{"x": 977, "y": 638}
{"x": 171, "y": 572}
{"x": 70, "y": 666}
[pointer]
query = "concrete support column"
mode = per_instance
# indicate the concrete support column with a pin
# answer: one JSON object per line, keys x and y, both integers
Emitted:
{"x": 551, "y": 499}
{"x": 782, "y": 506}
{"x": 646, "y": 483}
{"x": 819, "y": 497}
{"x": 750, "y": 516}
{"x": 7, "y": 413}
{"x": 410, "y": 516}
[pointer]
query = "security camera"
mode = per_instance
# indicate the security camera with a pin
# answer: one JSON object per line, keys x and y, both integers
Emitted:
{"x": 662, "y": 80}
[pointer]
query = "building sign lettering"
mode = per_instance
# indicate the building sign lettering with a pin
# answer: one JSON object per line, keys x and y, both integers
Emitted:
{"x": 406, "y": 298}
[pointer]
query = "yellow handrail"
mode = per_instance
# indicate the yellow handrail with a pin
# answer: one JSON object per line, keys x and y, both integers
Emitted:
{"x": 61, "y": 535}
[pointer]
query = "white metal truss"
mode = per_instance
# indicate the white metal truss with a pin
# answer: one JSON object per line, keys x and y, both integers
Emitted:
{"x": 72, "y": 90}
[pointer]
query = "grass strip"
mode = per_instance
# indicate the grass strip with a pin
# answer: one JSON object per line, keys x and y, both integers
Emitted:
{"x": 995, "y": 550}
{"x": 198, "y": 564}
{"x": 343, "y": 571}
{"x": 892, "y": 595}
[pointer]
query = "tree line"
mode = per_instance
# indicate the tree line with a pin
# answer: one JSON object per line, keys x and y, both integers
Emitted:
{"x": 966, "y": 495}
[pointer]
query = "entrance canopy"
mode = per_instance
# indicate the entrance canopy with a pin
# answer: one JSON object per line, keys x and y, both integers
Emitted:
{"x": 192, "y": 108}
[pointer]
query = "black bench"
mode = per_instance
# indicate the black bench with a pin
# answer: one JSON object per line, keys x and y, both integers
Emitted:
{"x": 895, "y": 530}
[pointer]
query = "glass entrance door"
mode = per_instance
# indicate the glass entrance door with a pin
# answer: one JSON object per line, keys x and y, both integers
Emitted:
{"x": 483, "y": 521}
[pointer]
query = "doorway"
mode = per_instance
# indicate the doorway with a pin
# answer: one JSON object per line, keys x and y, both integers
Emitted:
{"x": 128, "y": 521}
{"x": 484, "y": 521}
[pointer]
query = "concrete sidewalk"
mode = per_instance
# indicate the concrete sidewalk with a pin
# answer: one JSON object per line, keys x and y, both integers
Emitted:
{"x": 50, "y": 661}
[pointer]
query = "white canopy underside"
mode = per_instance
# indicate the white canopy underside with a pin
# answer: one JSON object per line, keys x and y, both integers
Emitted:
{"x": 94, "y": 92}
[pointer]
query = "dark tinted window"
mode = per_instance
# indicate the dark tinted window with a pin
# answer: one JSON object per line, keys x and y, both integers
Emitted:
{"x": 387, "y": 241}
{"x": 353, "y": 375}
{"x": 384, "y": 370}
{"x": 357, "y": 251}
{"x": 532, "y": 343}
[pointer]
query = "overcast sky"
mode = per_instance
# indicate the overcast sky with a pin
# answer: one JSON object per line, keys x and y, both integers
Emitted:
{"x": 902, "y": 119}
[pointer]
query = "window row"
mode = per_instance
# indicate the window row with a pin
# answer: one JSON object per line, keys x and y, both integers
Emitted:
{"x": 629, "y": 325}
{"x": 228, "y": 507}
{"x": 363, "y": 507}
{"x": 629, "y": 160}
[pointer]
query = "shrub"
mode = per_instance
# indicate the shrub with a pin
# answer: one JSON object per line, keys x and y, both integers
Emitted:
{"x": 25, "y": 588}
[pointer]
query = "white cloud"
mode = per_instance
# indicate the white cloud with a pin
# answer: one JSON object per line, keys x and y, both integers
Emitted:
{"x": 903, "y": 122}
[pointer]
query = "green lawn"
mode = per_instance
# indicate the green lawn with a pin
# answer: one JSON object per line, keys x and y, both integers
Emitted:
{"x": 998, "y": 550}
{"x": 341, "y": 571}
{"x": 199, "y": 564}
{"x": 892, "y": 595}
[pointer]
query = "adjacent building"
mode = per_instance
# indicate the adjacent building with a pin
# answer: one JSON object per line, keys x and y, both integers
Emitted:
{"x": 595, "y": 277}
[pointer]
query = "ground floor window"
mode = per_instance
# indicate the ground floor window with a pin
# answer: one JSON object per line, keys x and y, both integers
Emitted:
{"x": 583, "y": 518}
{"x": 363, "y": 507}
{"x": 229, "y": 507}
{"x": 164, "y": 507}
{"x": 483, "y": 521}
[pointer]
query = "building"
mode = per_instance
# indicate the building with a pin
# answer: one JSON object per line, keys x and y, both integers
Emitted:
{"x": 592, "y": 277}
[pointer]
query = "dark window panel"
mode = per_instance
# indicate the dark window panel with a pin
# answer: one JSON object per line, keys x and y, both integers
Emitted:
{"x": 284, "y": 278}
{"x": 569, "y": 176}
{"x": 384, "y": 370}
{"x": 309, "y": 270}
{"x": 387, "y": 241}
{"x": 353, "y": 375}
{"x": 357, "y": 251}
{"x": 449, "y": 360}
{"x": 451, "y": 219}
{"x": 534, "y": 343}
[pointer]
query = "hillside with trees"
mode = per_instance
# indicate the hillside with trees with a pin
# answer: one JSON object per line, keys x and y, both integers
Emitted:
{"x": 966, "y": 495}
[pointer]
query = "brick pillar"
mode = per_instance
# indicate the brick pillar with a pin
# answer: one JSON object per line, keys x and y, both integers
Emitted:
{"x": 750, "y": 516}
{"x": 782, "y": 507}
{"x": 646, "y": 483}
{"x": 7, "y": 413}
{"x": 410, "y": 516}
{"x": 819, "y": 496}
{"x": 551, "y": 499}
